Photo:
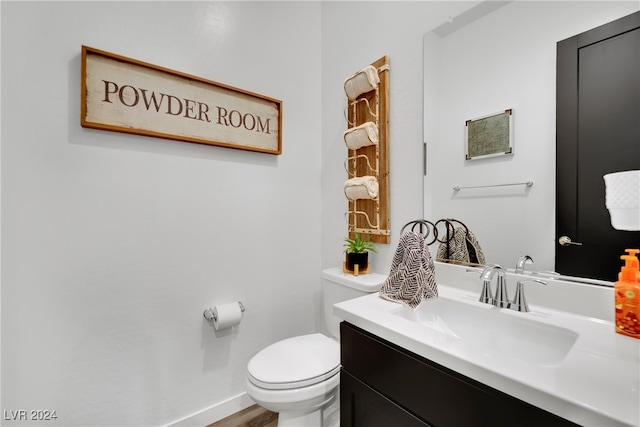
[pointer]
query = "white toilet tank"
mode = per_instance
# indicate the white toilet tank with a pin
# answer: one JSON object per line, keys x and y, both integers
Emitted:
{"x": 339, "y": 286}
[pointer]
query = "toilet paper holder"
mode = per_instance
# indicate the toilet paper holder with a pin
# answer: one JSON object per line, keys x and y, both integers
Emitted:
{"x": 209, "y": 314}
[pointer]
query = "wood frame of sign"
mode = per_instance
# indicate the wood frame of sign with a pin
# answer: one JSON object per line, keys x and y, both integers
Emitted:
{"x": 126, "y": 95}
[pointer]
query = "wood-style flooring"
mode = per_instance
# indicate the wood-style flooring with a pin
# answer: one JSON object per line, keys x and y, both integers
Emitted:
{"x": 253, "y": 416}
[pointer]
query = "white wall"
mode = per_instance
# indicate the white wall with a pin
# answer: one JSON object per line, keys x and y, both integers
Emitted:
{"x": 113, "y": 244}
{"x": 505, "y": 60}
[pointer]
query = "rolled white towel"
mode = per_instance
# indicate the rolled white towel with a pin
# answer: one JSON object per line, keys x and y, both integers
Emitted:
{"x": 361, "y": 136}
{"x": 364, "y": 187}
{"x": 361, "y": 82}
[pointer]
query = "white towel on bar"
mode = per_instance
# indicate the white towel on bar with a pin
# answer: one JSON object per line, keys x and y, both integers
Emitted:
{"x": 361, "y": 82}
{"x": 361, "y": 136}
{"x": 363, "y": 187}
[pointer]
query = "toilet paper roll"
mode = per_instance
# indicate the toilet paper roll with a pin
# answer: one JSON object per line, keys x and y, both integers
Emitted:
{"x": 227, "y": 315}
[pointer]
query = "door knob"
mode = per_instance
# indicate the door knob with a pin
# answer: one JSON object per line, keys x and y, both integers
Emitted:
{"x": 566, "y": 241}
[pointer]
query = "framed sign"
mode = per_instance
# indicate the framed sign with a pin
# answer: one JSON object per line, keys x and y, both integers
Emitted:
{"x": 490, "y": 135}
{"x": 125, "y": 95}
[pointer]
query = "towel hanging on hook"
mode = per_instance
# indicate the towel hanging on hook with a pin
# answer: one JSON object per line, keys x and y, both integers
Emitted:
{"x": 412, "y": 276}
{"x": 459, "y": 244}
{"x": 361, "y": 82}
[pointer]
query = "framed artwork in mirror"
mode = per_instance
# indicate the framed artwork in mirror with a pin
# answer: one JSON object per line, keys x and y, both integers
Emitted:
{"x": 489, "y": 136}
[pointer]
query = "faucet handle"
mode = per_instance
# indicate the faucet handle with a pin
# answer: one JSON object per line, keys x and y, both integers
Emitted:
{"x": 549, "y": 273}
{"x": 519, "y": 301}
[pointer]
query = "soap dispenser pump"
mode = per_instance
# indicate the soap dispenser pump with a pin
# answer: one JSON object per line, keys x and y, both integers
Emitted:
{"x": 633, "y": 260}
{"x": 627, "y": 297}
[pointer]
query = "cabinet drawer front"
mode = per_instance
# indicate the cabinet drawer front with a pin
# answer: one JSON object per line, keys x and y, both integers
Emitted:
{"x": 432, "y": 392}
{"x": 361, "y": 406}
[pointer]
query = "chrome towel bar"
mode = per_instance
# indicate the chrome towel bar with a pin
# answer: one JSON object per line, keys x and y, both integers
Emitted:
{"x": 528, "y": 184}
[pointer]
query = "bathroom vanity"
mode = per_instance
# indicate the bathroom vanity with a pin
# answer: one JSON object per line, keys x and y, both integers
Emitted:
{"x": 385, "y": 385}
{"x": 458, "y": 362}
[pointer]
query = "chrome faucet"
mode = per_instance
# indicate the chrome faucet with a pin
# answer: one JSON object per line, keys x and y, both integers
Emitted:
{"x": 521, "y": 262}
{"x": 500, "y": 298}
{"x": 486, "y": 276}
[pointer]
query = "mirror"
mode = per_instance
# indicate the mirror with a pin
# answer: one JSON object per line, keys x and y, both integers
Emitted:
{"x": 502, "y": 60}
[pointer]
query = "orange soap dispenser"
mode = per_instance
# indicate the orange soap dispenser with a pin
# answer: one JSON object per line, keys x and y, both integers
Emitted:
{"x": 627, "y": 297}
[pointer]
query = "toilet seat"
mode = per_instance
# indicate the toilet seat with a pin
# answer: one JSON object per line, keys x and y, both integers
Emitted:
{"x": 295, "y": 362}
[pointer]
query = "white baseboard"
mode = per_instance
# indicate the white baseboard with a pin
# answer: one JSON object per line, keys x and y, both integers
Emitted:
{"x": 216, "y": 412}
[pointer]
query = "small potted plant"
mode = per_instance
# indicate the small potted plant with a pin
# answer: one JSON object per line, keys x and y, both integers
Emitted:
{"x": 357, "y": 250}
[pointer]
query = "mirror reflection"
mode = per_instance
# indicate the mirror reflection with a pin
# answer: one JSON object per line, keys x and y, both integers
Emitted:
{"x": 502, "y": 60}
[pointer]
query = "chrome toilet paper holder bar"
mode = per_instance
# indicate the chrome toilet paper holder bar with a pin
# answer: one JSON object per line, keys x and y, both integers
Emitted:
{"x": 210, "y": 315}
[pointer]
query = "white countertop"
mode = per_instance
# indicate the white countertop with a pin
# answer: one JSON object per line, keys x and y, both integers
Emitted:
{"x": 596, "y": 384}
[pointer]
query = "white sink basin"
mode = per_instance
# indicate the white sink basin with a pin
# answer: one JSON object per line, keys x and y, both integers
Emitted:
{"x": 493, "y": 332}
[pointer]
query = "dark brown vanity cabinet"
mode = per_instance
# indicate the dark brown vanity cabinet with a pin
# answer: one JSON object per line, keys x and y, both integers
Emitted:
{"x": 383, "y": 385}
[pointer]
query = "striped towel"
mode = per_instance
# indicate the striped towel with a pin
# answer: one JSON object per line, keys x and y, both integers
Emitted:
{"x": 412, "y": 278}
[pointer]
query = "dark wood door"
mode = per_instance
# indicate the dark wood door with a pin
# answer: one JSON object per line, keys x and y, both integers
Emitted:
{"x": 597, "y": 132}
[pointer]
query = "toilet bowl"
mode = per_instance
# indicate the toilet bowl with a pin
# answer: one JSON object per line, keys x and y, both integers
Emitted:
{"x": 299, "y": 377}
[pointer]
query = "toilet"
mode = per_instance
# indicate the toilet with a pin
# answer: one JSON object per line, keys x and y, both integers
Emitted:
{"x": 299, "y": 377}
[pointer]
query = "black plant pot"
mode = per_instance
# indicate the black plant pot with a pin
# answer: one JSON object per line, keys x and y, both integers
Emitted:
{"x": 360, "y": 259}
